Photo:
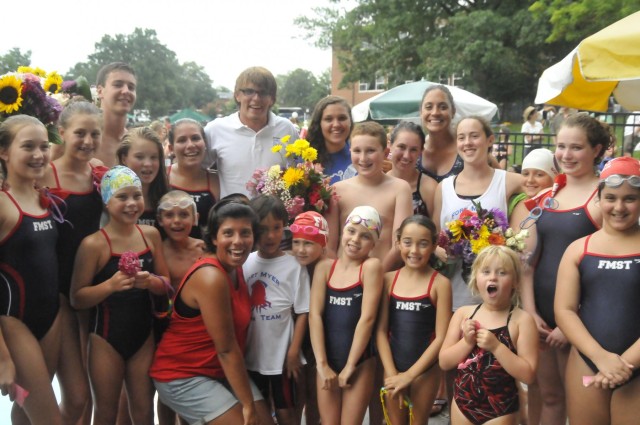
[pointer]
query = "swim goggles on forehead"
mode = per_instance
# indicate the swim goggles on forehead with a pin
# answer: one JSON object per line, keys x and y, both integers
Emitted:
{"x": 182, "y": 204}
{"x": 366, "y": 222}
{"x": 306, "y": 230}
{"x": 616, "y": 180}
{"x": 536, "y": 212}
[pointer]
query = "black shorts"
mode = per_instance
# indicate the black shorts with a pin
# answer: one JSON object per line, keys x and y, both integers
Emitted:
{"x": 278, "y": 388}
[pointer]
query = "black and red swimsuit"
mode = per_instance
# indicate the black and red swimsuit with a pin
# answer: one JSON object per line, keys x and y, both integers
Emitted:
{"x": 483, "y": 390}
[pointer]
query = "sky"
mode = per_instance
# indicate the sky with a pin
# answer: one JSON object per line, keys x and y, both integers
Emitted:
{"x": 223, "y": 36}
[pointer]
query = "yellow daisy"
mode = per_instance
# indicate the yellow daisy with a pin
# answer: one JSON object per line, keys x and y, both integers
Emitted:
{"x": 276, "y": 148}
{"x": 478, "y": 245}
{"x": 309, "y": 154}
{"x": 455, "y": 227}
{"x": 10, "y": 94}
{"x": 292, "y": 176}
{"x": 285, "y": 139}
{"x": 53, "y": 82}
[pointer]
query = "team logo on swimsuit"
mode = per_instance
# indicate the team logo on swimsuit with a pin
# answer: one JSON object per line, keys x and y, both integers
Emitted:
{"x": 616, "y": 264}
{"x": 259, "y": 296}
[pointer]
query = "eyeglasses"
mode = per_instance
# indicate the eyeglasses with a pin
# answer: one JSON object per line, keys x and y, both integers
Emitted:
{"x": 536, "y": 212}
{"x": 182, "y": 204}
{"x": 366, "y": 222}
{"x": 306, "y": 230}
{"x": 252, "y": 92}
{"x": 616, "y": 180}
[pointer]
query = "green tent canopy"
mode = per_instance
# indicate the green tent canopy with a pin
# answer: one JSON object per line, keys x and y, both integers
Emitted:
{"x": 189, "y": 113}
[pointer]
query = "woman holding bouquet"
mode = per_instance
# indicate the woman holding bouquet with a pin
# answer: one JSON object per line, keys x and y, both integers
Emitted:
{"x": 571, "y": 212}
{"x": 478, "y": 182}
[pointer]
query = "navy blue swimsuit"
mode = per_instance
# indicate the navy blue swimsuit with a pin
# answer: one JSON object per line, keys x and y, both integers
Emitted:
{"x": 609, "y": 300}
{"x": 458, "y": 166}
{"x": 82, "y": 218}
{"x": 124, "y": 318}
{"x": 556, "y": 230}
{"x": 342, "y": 310}
{"x": 412, "y": 324}
{"x": 29, "y": 272}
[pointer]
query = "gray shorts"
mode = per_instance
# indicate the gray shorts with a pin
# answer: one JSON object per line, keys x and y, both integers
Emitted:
{"x": 199, "y": 399}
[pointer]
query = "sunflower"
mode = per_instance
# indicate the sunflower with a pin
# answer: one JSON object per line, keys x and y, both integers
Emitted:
{"x": 53, "y": 82}
{"x": 39, "y": 72}
{"x": 10, "y": 94}
{"x": 25, "y": 70}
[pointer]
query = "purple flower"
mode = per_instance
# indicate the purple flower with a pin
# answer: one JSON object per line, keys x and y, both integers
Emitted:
{"x": 500, "y": 218}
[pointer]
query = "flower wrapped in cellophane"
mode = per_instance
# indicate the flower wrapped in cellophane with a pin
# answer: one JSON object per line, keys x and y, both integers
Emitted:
{"x": 464, "y": 237}
{"x": 29, "y": 91}
{"x": 302, "y": 185}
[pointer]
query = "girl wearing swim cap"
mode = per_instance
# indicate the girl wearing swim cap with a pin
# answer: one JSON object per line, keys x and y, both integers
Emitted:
{"x": 344, "y": 302}
{"x": 120, "y": 340}
{"x": 596, "y": 305}
{"x": 310, "y": 233}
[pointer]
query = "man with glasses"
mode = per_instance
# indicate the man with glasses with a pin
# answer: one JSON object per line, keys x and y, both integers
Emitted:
{"x": 241, "y": 142}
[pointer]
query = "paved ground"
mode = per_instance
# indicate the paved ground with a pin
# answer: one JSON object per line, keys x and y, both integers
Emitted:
{"x": 441, "y": 419}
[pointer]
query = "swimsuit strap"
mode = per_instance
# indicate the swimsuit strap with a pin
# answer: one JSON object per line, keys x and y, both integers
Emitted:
{"x": 55, "y": 174}
{"x": 418, "y": 184}
{"x": 590, "y": 197}
{"x": 14, "y": 202}
{"x": 475, "y": 311}
{"x": 108, "y": 240}
{"x": 433, "y": 278}
{"x": 586, "y": 242}
{"x": 333, "y": 266}
{"x": 143, "y": 238}
{"x": 509, "y": 316}
{"x": 395, "y": 279}
{"x": 360, "y": 272}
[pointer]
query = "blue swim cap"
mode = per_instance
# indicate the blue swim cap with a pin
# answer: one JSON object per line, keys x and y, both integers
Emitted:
{"x": 117, "y": 178}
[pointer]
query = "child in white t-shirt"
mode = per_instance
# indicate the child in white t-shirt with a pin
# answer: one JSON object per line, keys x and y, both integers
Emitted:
{"x": 279, "y": 290}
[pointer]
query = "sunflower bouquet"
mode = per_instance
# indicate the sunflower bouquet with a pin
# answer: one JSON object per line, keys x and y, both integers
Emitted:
{"x": 302, "y": 185}
{"x": 29, "y": 91}
{"x": 464, "y": 237}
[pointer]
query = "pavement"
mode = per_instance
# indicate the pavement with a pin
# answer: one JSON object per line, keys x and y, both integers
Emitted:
{"x": 441, "y": 419}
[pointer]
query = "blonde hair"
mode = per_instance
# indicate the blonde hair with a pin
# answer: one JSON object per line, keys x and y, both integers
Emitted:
{"x": 509, "y": 260}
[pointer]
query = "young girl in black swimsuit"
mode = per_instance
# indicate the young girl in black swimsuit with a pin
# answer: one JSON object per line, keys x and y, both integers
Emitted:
{"x": 596, "y": 305}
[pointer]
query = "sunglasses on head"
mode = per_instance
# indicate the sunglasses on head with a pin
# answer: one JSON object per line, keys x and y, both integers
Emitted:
{"x": 306, "y": 230}
{"x": 182, "y": 204}
{"x": 616, "y": 180}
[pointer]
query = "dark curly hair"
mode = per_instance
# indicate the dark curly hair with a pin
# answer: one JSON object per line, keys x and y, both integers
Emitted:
{"x": 314, "y": 135}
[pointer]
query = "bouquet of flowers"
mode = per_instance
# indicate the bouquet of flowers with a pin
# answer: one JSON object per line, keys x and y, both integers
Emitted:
{"x": 302, "y": 185}
{"x": 473, "y": 231}
{"x": 28, "y": 91}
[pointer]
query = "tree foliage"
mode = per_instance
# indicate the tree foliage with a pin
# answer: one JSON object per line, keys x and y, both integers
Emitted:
{"x": 575, "y": 20}
{"x": 10, "y": 61}
{"x": 301, "y": 88}
{"x": 496, "y": 46}
{"x": 164, "y": 85}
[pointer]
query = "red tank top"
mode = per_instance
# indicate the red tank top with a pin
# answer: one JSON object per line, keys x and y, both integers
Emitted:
{"x": 186, "y": 349}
